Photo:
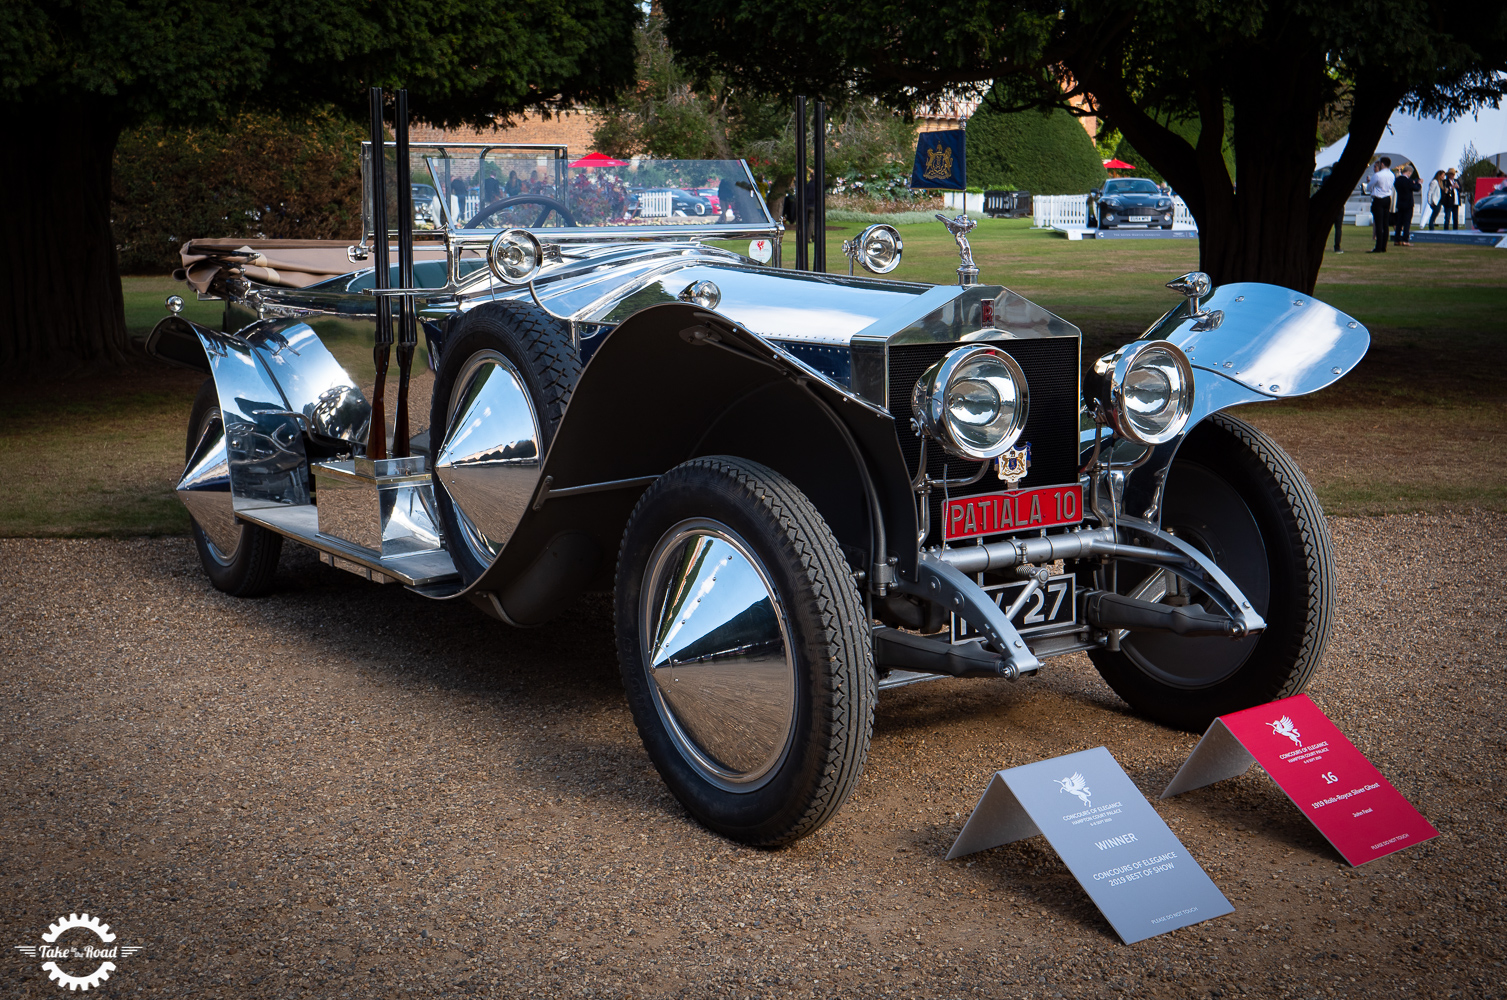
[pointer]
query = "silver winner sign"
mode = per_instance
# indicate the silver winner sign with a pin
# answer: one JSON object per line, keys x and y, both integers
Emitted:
{"x": 1117, "y": 847}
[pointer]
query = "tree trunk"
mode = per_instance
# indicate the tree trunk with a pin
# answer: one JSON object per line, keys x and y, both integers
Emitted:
{"x": 1259, "y": 228}
{"x": 60, "y": 299}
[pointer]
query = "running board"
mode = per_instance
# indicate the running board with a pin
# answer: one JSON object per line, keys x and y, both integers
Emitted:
{"x": 426, "y": 568}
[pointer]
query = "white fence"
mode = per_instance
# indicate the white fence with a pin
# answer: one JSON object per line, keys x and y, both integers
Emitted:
{"x": 1070, "y": 211}
{"x": 655, "y": 204}
{"x": 958, "y": 201}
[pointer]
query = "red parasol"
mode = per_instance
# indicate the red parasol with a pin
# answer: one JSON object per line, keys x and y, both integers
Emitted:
{"x": 599, "y": 160}
{"x": 1118, "y": 165}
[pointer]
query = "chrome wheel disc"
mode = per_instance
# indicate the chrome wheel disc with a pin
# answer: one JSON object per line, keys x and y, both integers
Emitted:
{"x": 716, "y": 648}
{"x": 205, "y": 490}
{"x": 489, "y": 460}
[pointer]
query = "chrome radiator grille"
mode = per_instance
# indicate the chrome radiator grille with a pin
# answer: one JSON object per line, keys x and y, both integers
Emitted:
{"x": 1051, "y": 368}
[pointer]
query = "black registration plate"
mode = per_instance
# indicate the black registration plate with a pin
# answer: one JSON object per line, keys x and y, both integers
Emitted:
{"x": 1051, "y": 607}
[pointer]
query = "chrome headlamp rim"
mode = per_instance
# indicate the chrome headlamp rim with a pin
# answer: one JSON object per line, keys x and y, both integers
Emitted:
{"x": 880, "y": 248}
{"x": 523, "y": 243}
{"x": 929, "y": 402}
{"x": 1139, "y": 356}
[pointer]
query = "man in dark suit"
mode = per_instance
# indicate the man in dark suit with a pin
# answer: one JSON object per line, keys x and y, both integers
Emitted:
{"x": 1402, "y": 212}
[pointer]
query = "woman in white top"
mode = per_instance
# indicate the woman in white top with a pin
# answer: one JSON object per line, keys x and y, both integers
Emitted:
{"x": 1435, "y": 196}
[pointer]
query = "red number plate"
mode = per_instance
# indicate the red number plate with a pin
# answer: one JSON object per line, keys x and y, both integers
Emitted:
{"x": 1017, "y": 510}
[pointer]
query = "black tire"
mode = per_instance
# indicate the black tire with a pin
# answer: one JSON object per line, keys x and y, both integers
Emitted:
{"x": 1167, "y": 225}
{"x": 1235, "y": 494}
{"x": 828, "y": 649}
{"x": 248, "y": 570}
{"x": 541, "y": 349}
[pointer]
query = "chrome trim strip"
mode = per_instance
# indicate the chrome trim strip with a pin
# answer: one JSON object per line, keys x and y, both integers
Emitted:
{"x": 548, "y": 492}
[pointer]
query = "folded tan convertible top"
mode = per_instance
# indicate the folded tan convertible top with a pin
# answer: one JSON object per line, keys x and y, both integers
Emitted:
{"x": 281, "y": 263}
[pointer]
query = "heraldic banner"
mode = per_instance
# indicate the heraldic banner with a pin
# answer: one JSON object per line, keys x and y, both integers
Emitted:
{"x": 940, "y": 161}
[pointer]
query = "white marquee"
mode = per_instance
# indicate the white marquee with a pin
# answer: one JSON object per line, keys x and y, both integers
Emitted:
{"x": 1431, "y": 144}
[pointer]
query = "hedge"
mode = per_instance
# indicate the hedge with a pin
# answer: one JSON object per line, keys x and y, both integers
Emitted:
{"x": 255, "y": 176}
{"x": 1028, "y": 150}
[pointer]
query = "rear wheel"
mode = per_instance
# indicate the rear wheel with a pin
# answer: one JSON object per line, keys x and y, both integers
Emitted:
{"x": 504, "y": 380}
{"x": 744, "y": 650}
{"x": 1237, "y": 496}
{"x": 245, "y": 562}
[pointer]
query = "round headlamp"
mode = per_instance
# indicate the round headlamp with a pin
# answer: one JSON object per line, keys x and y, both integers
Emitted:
{"x": 973, "y": 402}
{"x": 515, "y": 255}
{"x": 1147, "y": 389}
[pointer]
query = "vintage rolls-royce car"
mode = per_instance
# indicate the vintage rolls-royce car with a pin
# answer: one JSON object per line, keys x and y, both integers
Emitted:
{"x": 802, "y": 488}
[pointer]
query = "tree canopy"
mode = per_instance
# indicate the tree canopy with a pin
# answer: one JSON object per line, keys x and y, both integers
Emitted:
{"x": 671, "y": 115}
{"x": 74, "y": 73}
{"x": 1275, "y": 69}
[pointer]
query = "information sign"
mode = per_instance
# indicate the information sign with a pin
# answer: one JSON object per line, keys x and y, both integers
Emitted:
{"x": 1327, "y": 778}
{"x": 1131, "y": 865}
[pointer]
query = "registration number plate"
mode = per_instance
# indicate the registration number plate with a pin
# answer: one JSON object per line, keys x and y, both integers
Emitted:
{"x": 1140, "y": 218}
{"x": 1049, "y": 607}
{"x": 1015, "y": 510}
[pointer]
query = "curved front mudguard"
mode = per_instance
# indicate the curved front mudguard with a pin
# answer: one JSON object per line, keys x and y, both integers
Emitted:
{"x": 1253, "y": 343}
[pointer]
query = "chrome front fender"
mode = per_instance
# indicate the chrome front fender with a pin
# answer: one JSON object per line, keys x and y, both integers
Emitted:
{"x": 275, "y": 380}
{"x": 1253, "y": 343}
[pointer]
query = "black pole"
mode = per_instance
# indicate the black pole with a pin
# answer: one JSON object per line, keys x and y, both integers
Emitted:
{"x": 407, "y": 325}
{"x": 376, "y": 435}
{"x": 819, "y": 230}
{"x": 800, "y": 184}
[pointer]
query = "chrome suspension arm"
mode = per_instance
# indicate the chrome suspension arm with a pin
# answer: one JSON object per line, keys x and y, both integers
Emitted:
{"x": 1173, "y": 553}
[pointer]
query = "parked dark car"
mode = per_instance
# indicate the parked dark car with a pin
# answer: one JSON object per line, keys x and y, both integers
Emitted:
{"x": 1132, "y": 201}
{"x": 1490, "y": 213}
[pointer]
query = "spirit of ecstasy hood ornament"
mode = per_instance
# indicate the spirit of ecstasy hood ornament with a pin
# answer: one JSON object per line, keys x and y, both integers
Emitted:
{"x": 968, "y": 272}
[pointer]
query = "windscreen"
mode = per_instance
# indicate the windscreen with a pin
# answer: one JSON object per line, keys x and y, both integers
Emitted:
{"x": 503, "y": 189}
{"x": 1132, "y": 185}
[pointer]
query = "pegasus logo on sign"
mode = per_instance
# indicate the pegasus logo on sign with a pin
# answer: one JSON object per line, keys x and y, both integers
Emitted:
{"x": 1076, "y": 785}
{"x": 1284, "y": 727}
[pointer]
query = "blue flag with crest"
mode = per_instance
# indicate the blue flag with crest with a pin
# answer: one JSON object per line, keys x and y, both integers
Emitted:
{"x": 940, "y": 161}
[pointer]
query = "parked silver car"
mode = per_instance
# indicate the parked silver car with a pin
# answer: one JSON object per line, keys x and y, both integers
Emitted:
{"x": 802, "y": 488}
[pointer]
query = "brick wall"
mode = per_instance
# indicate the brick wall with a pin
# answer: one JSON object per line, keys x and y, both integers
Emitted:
{"x": 573, "y": 130}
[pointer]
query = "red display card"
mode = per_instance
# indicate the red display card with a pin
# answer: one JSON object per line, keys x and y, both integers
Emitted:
{"x": 1333, "y": 783}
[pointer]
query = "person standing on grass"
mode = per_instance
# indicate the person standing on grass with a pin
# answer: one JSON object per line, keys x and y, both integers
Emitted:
{"x": 1402, "y": 219}
{"x": 1380, "y": 186}
{"x": 1451, "y": 200}
{"x": 1435, "y": 197}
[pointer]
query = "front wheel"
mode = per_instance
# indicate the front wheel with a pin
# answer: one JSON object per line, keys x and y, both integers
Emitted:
{"x": 744, "y": 650}
{"x": 1237, "y": 496}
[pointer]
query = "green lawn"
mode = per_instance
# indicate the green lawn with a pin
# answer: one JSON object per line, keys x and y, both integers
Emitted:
{"x": 1414, "y": 427}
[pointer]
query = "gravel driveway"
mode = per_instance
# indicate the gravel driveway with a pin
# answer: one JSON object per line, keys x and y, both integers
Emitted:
{"x": 345, "y": 790}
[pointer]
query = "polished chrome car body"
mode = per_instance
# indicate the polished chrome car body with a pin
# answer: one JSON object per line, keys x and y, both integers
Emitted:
{"x": 899, "y": 409}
